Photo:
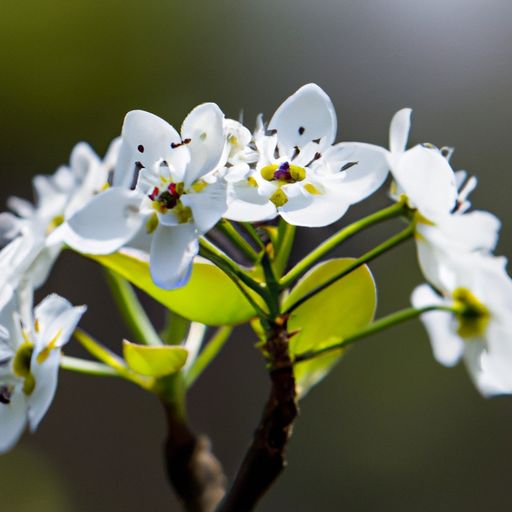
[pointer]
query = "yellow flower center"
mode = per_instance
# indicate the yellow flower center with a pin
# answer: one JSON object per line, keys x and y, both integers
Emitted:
{"x": 473, "y": 317}
{"x": 283, "y": 173}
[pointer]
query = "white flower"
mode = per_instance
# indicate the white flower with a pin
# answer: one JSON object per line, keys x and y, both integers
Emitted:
{"x": 177, "y": 197}
{"x": 479, "y": 289}
{"x": 455, "y": 233}
{"x": 422, "y": 172}
{"x": 300, "y": 174}
{"x": 31, "y": 252}
{"x": 30, "y": 351}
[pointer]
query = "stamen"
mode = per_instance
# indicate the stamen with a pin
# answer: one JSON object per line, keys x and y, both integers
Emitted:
{"x": 312, "y": 189}
{"x": 55, "y": 223}
{"x": 175, "y": 145}
{"x": 52, "y": 345}
{"x": 154, "y": 194}
{"x": 348, "y": 166}
{"x": 279, "y": 198}
{"x": 285, "y": 173}
{"x": 169, "y": 198}
{"x": 5, "y": 394}
{"x": 152, "y": 223}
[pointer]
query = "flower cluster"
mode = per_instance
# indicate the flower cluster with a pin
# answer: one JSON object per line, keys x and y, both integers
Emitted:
{"x": 159, "y": 190}
{"x": 170, "y": 188}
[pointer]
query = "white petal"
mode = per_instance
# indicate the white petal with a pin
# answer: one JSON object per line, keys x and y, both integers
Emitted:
{"x": 477, "y": 230}
{"x": 306, "y": 115}
{"x": 427, "y": 179}
{"x": 112, "y": 154}
{"x": 40, "y": 269}
{"x": 104, "y": 225}
{"x": 20, "y": 207}
{"x": 314, "y": 210}
{"x": 366, "y": 176}
{"x": 204, "y": 126}
{"x": 46, "y": 377}
{"x": 207, "y": 206}
{"x": 451, "y": 237}
{"x": 82, "y": 159}
{"x": 233, "y": 174}
{"x": 246, "y": 204}
{"x": 399, "y": 130}
{"x": 172, "y": 252}
{"x": 8, "y": 306}
{"x": 492, "y": 368}
{"x": 432, "y": 260}
{"x": 13, "y": 417}
{"x": 9, "y": 227}
{"x": 147, "y": 139}
{"x": 446, "y": 345}
{"x": 57, "y": 322}
{"x": 49, "y": 309}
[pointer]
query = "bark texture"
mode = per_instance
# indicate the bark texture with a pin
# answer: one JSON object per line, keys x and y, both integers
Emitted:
{"x": 266, "y": 457}
{"x": 195, "y": 473}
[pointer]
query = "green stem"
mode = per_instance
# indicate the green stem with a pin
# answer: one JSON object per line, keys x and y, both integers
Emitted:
{"x": 366, "y": 258}
{"x": 251, "y": 231}
{"x": 210, "y": 252}
{"x": 286, "y": 236}
{"x": 175, "y": 328}
{"x": 227, "y": 228}
{"x": 131, "y": 310}
{"x": 341, "y": 236}
{"x": 87, "y": 367}
{"x": 208, "y": 354}
{"x": 378, "y": 325}
{"x": 102, "y": 353}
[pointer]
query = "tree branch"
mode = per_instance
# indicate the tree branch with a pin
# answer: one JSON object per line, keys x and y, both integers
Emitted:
{"x": 266, "y": 459}
{"x": 193, "y": 470}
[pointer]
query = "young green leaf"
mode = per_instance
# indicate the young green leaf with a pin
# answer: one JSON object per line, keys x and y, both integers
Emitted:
{"x": 154, "y": 361}
{"x": 210, "y": 297}
{"x": 333, "y": 314}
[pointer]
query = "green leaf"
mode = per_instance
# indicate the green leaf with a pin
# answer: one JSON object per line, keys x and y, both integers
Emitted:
{"x": 153, "y": 361}
{"x": 210, "y": 297}
{"x": 333, "y": 314}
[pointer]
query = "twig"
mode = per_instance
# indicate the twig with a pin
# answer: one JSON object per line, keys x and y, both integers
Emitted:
{"x": 266, "y": 458}
{"x": 195, "y": 473}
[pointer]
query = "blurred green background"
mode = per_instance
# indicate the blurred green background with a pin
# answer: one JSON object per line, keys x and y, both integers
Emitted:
{"x": 390, "y": 429}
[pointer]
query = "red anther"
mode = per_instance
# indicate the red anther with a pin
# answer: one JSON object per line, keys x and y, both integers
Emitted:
{"x": 154, "y": 194}
{"x": 172, "y": 189}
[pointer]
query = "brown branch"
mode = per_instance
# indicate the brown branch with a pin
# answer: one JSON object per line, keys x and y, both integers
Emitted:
{"x": 265, "y": 458}
{"x": 195, "y": 473}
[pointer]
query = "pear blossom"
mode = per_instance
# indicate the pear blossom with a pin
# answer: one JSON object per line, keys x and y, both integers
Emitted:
{"x": 30, "y": 252}
{"x": 458, "y": 232}
{"x": 476, "y": 286}
{"x": 300, "y": 174}
{"x": 178, "y": 195}
{"x": 422, "y": 173}
{"x": 30, "y": 351}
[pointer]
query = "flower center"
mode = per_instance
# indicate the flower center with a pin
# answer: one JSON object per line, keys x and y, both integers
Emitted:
{"x": 22, "y": 359}
{"x": 21, "y": 366}
{"x": 169, "y": 199}
{"x": 473, "y": 317}
{"x": 283, "y": 173}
